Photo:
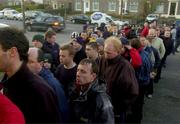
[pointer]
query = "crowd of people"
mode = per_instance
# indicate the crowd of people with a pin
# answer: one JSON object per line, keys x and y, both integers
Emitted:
{"x": 101, "y": 75}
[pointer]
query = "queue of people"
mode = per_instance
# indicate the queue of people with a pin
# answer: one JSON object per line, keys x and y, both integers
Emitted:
{"x": 101, "y": 76}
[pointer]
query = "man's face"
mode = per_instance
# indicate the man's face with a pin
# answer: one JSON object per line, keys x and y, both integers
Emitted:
{"x": 52, "y": 39}
{"x": 167, "y": 34}
{"x": 37, "y": 44}
{"x": 143, "y": 41}
{"x": 33, "y": 64}
{"x": 84, "y": 36}
{"x": 90, "y": 52}
{"x": 4, "y": 60}
{"x": 109, "y": 51}
{"x": 64, "y": 57}
{"x": 76, "y": 45}
{"x": 84, "y": 74}
{"x": 151, "y": 35}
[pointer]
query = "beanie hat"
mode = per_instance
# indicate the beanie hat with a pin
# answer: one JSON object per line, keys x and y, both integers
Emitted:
{"x": 47, "y": 58}
{"x": 79, "y": 40}
{"x": 38, "y": 37}
{"x": 100, "y": 41}
{"x": 124, "y": 41}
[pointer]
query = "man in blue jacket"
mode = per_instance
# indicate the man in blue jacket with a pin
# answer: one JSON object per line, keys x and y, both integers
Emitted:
{"x": 35, "y": 64}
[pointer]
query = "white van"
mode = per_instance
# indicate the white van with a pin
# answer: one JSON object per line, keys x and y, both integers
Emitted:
{"x": 98, "y": 17}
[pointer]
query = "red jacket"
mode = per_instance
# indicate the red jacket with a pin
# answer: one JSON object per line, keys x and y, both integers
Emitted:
{"x": 9, "y": 113}
{"x": 145, "y": 31}
{"x": 133, "y": 57}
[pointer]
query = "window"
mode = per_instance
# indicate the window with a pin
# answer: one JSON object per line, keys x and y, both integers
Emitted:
{"x": 87, "y": 5}
{"x": 95, "y": 5}
{"x": 78, "y": 5}
{"x": 112, "y": 5}
{"x": 133, "y": 6}
{"x": 160, "y": 8}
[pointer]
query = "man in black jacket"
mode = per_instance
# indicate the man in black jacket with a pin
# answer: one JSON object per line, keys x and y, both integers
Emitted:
{"x": 90, "y": 103}
{"x": 28, "y": 91}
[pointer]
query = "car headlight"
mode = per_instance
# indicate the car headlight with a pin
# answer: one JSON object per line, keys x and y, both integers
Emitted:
{"x": 56, "y": 23}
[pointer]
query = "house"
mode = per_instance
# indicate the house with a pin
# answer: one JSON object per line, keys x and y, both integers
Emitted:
{"x": 13, "y": 2}
{"x": 108, "y": 6}
{"x": 166, "y": 8}
{"x": 169, "y": 8}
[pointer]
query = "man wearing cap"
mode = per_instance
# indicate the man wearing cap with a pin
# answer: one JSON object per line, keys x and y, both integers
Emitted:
{"x": 38, "y": 40}
{"x": 80, "y": 52}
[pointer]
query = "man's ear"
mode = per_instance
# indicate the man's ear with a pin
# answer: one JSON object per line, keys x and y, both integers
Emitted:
{"x": 41, "y": 63}
{"x": 94, "y": 75}
{"x": 13, "y": 51}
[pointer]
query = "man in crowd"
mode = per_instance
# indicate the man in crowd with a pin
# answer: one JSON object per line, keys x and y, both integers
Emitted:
{"x": 36, "y": 65}
{"x": 158, "y": 44}
{"x": 120, "y": 77}
{"x": 92, "y": 51}
{"x": 77, "y": 43}
{"x": 90, "y": 104}
{"x": 38, "y": 40}
{"x": 50, "y": 46}
{"x": 29, "y": 92}
{"x": 66, "y": 71}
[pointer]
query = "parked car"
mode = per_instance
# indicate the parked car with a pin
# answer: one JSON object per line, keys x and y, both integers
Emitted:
{"x": 2, "y": 25}
{"x": 31, "y": 14}
{"x": 19, "y": 17}
{"x": 10, "y": 14}
{"x": 152, "y": 17}
{"x": 45, "y": 23}
{"x": 1, "y": 15}
{"x": 84, "y": 19}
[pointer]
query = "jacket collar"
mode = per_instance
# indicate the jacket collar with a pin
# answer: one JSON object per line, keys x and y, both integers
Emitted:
{"x": 114, "y": 60}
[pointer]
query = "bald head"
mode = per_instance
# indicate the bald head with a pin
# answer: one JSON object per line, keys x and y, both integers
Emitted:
{"x": 35, "y": 57}
{"x": 33, "y": 53}
{"x": 152, "y": 32}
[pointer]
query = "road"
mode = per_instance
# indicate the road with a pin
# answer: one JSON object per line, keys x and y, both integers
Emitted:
{"x": 62, "y": 37}
{"x": 164, "y": 107}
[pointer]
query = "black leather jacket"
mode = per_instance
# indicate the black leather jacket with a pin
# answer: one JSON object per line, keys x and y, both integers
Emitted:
{"x": 92, "y": 106}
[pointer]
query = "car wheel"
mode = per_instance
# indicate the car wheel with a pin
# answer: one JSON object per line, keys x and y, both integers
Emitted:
{"x": 73, "y": 21}
{"x": 29, "y": 28}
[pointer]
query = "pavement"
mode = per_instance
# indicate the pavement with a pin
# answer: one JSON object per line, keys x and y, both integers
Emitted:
{"x": 164, "y": 106}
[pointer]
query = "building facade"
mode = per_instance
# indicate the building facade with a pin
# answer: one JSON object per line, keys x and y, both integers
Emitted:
{"x": 166, "y": 8}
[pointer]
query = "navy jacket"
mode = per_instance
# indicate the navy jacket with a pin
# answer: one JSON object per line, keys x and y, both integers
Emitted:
{"x": 54, "y": 51}
{"x": 47, "y": 75}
